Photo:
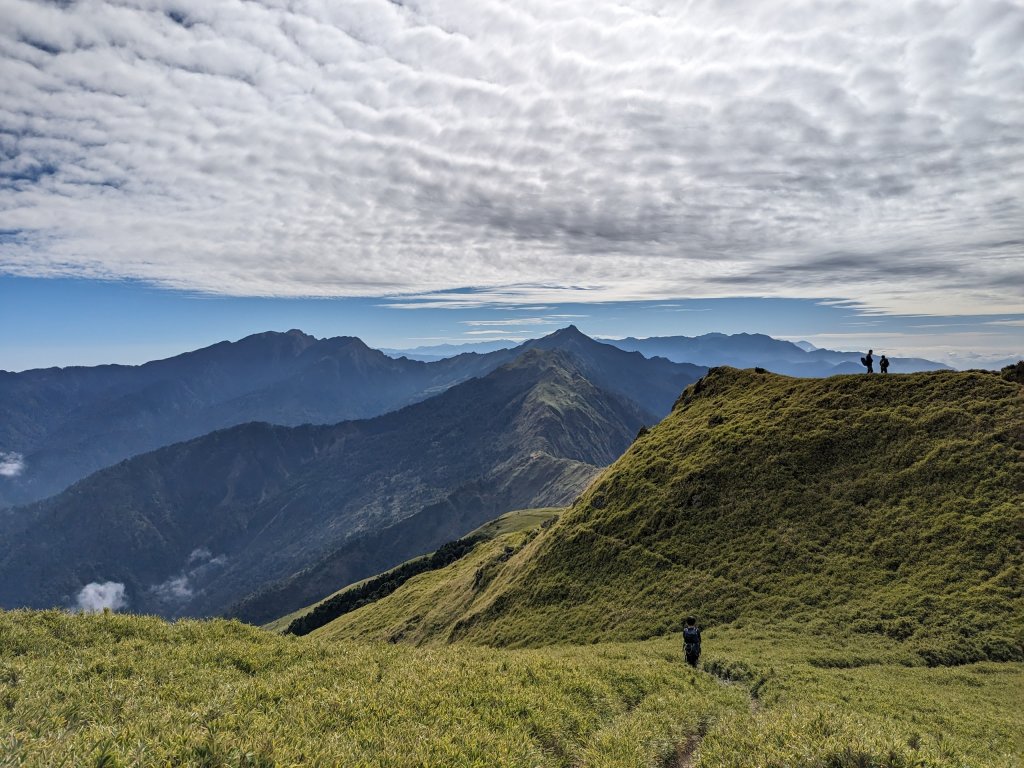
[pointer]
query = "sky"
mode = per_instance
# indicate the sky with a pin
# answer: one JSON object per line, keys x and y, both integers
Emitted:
{"x": 176, "y": 172}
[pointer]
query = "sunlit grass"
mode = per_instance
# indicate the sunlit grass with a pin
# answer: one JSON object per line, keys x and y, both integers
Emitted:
{"x": 118, "y": 690}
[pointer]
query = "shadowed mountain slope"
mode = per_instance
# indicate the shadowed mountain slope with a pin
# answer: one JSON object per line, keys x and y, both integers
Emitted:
{"x": 869, "y": 505}
{"x": 69, "y": 422}
{"x": 194, "y": 527}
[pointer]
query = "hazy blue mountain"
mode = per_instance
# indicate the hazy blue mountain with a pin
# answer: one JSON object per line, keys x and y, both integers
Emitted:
{"x": 58, "y": 425}
{"x": 741, "y": 350}
{"x": 755, "y": 350}
{"x": 61, "y": 424}
{"x": 433, "y": 352}
{"x": 194, "y": 527}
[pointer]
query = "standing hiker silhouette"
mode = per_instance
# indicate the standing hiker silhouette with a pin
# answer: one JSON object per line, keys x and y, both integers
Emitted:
{"x": 869, "y": 361}
{"x": 883, "y": 364}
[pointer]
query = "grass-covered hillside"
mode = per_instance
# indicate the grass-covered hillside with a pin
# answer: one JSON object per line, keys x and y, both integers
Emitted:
{"x": 865, "y": 506}
{"x": 111, "y": 690}
{"x": 374, "y": 589}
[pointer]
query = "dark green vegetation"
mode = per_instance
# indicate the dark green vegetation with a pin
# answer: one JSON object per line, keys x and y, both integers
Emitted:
{"x": 872, "y": 506}
{"x": 258, "y": 520}
{"x": 378, "y": 587}
{"x": 373, "y": 589}
{"x": 529, "y": 520}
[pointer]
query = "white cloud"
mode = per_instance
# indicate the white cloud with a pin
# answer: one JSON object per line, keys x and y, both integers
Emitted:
{"x": 180, "y": 588}
{"x": 96, "y": 597}
{"x": 539, "y": 152}
{"x": 11, "y": 464}
{"x": 175, "y": 589}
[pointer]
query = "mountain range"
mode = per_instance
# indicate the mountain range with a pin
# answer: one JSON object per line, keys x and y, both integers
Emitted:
{"x": 755, "y": 350}
{"x": 195, "y": 527}
{"x": 64, "y": 423}
{"x": 739, "y": 350}
{"x": 58, "y": 425}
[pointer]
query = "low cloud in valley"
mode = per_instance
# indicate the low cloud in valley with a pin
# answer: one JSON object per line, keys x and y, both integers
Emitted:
{"x": 11, "y": 464}
{"x": 96, "y": 597}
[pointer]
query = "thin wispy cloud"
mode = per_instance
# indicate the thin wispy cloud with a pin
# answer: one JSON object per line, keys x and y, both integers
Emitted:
{"x": 540, "y": 152}
{"x": 509, "y": 322}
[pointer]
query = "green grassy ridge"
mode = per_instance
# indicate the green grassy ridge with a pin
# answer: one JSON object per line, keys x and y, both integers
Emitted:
{"x": 510, "y": 522}
{"x": 860, "y": 505}
{"x": 426, "y": 609}
{"x": 825, "y": 699}
{"x": 112, "y": 690}
{"x": 381, "y": 586}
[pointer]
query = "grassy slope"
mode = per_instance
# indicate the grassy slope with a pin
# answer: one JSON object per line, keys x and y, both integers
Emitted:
{"x": 510, "y": 522}
{"x": 827, "y": 701}
{"x": 883, "y": 506}
{"x": 818, "y": 694}
{"x": 118, "y": 690}
{"x": 915, "y": 518}
{"x": 123, "y": 690}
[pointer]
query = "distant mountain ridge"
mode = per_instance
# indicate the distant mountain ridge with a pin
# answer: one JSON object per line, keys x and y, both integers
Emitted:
{"x": 66, "y": 423}
{"x": 195, "y": 527}
{"x": 739, "y": 350}
{"x": 63, "y": 424}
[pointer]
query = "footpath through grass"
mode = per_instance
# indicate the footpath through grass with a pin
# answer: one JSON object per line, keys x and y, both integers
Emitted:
{"x": 826, "y": 702}
{"x": 119, "y": 690}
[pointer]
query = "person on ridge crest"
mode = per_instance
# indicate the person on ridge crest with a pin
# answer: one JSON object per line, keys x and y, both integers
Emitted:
{"x": 869, "y": 361}
{"x": 883, "y": 364}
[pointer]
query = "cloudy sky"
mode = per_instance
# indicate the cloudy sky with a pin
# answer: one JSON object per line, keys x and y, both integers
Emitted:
{"x": 446, "y": 154}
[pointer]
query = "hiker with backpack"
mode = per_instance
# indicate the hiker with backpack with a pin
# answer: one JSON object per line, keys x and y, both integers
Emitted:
{"x": 883, "y": 364}
{"x": 691, "y": 641}
{"x": 869, "y": 361}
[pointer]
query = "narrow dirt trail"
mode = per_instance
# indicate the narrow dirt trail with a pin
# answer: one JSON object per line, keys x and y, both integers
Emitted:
{"x": 686, "y": 753}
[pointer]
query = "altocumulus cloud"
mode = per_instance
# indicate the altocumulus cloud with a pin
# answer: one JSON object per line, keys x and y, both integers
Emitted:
{"x": 535, "y": 150}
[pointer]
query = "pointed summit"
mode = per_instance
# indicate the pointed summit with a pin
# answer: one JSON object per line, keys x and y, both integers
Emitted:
{"x": 569, "y": 337}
